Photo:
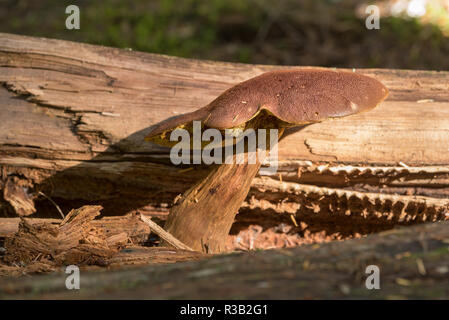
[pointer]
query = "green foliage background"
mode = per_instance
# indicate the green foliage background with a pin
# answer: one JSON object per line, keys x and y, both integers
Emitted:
{"x": 286, "y": 32}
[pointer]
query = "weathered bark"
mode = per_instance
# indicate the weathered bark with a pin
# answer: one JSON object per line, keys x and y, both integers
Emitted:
{"x": 412, "y": 263}
{"x": 77, "y": 114}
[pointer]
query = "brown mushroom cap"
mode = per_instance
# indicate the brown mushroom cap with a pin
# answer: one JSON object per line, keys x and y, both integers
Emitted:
{"x": 293, "y": 96}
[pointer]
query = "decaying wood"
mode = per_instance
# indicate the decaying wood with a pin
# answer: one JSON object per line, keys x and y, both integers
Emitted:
{"x": 131, "y": 224}
{"x": 16, "y": 195}
{"x": 77, "y": 114}
{"x": 138, "y": 255}
{"x": 74, "y": 241}
{"x": 327, "y": 202}
{"x": 412, "y": 261}
{"x": 46, "y": 247}
{"x": 130, "y": 256}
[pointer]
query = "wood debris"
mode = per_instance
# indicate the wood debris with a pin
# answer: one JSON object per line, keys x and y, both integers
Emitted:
{"x": 74, "y": 241}
{"x": 15, "y": 193}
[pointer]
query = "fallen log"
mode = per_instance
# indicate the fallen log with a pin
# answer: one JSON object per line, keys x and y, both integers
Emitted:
{"x": 77, "y": 114}
{"x": 412, "y": 264}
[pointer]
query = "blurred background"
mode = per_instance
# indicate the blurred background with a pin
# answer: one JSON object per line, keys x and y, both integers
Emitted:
{"x": 413, "y": 34}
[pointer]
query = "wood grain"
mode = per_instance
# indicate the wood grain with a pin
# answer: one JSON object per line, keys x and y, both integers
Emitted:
{"x": 74, "y": 117}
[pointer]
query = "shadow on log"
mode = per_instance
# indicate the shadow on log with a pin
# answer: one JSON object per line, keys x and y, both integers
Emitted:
{"x": 77, "y": 115}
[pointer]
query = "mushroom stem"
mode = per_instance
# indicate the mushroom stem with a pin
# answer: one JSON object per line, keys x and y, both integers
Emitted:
{"x": 203, "y": 217}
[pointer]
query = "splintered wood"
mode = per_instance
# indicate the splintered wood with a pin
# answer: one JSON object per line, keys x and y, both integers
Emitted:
{"x": 46, "y": 245}
{"x": 74, "y": 241}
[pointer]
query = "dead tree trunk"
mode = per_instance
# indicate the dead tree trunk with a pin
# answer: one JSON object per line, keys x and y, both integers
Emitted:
{"x": 73, "y": 117}
{"x": 412, "y": 262}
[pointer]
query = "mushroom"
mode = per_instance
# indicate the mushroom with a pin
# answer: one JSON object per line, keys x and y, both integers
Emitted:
{"x": 203, "y": 216}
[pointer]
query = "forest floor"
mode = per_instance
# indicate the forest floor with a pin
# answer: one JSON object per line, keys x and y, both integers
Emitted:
{"x": 412, "y": 263}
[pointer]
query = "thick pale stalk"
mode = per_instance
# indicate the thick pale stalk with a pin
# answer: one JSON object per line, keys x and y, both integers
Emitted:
{"x": 202, "y": 218}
